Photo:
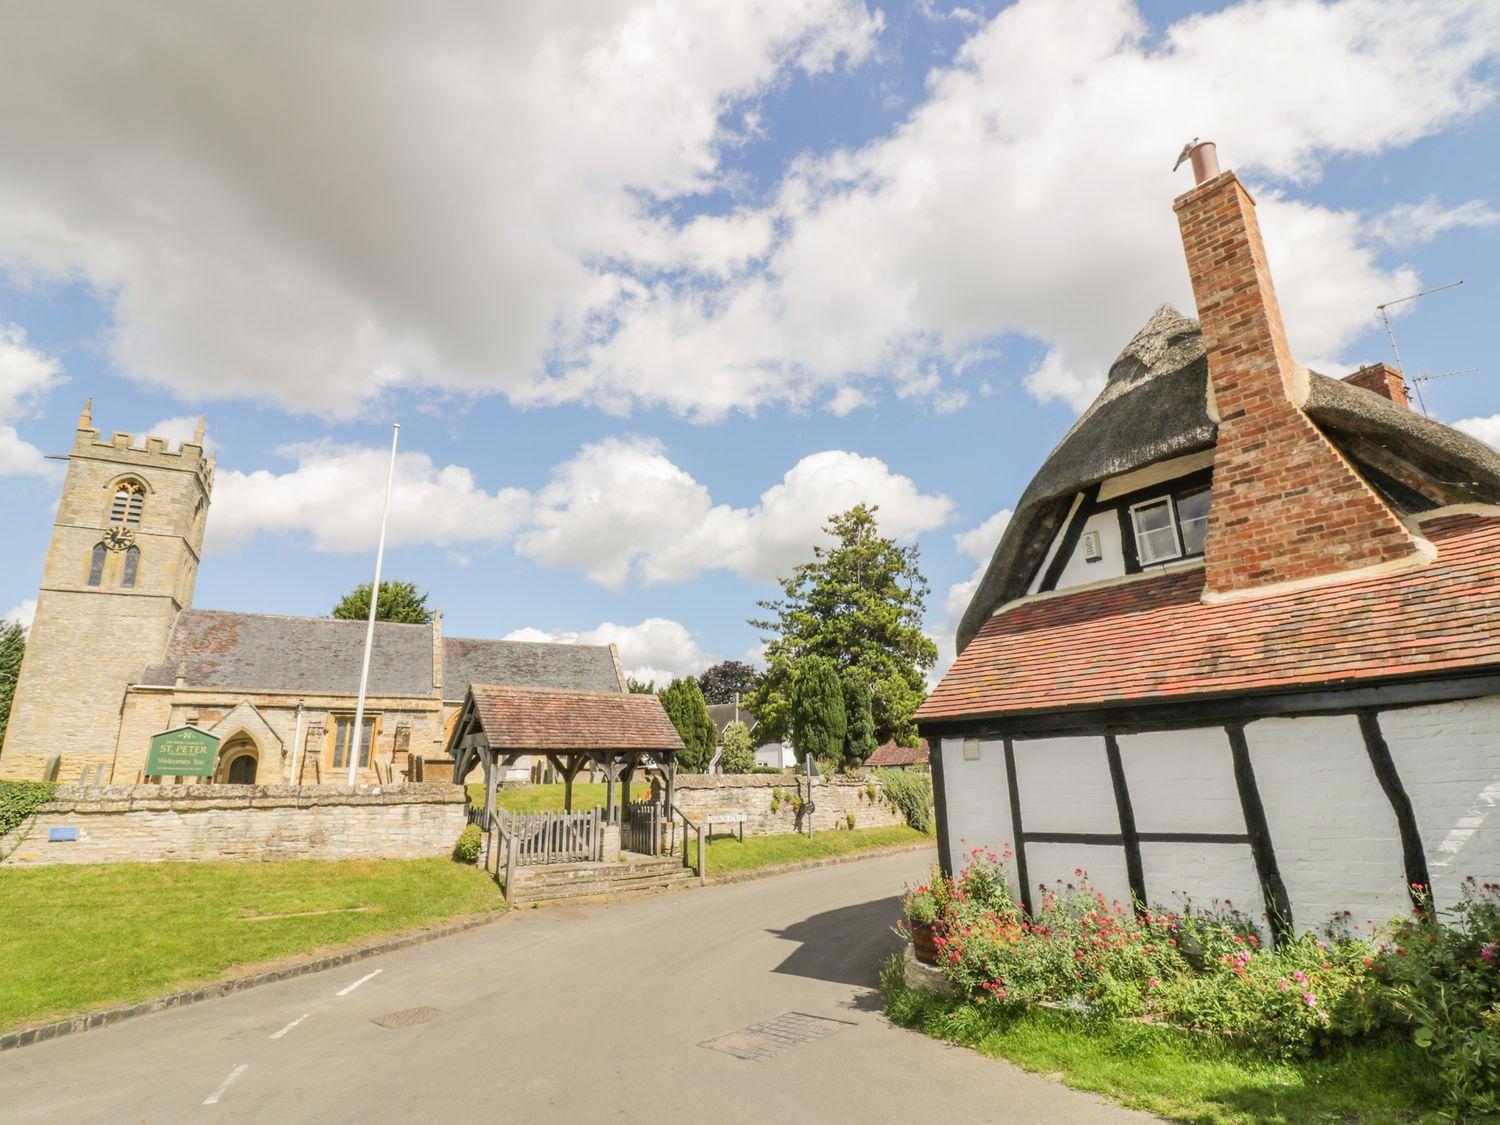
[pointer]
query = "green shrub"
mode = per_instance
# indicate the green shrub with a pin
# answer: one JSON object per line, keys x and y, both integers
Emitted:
{"x": 850, "y": 820}
{"x": 466, "y": 851}
{"x": 1442, "y": 982}
{"x": 19, "y": 801}
{"x": 764, "y": 769}
{"x": 775, "y": 799}
{"x": 738, "y": 755}
{"x": 911, "y": 792}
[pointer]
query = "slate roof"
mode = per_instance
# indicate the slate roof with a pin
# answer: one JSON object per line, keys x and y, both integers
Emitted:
{"x": 892, "y": 754}
{"x": 527, "y": 664}
{"x": 317, "y": 655}
{"x": 1153, "y": 640}
{"x": 723, "y": 714}
{"x": 1154, "y": 407}
{"x": 541, "y": 719}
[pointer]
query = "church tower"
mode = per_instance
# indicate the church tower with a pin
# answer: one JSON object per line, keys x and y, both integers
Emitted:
{"x": 122, "y": 564}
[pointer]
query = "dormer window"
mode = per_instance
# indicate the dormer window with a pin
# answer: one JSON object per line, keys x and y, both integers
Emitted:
{"x": 130, "y": 498}
{"x": 1170, "y": 527}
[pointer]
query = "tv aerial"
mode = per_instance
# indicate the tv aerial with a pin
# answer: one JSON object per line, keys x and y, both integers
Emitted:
{"x": 1396, "y": 351}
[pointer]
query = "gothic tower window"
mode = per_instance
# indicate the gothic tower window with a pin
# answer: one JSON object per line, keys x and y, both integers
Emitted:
{"x": 130, "y": 498}
{"x": 132, "y": 566}
{"x": 96, "y": 564}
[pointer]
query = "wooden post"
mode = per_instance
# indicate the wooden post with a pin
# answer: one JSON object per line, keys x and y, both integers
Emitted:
{"x": 510, "y": 867}
{"x": 609, "y": 786}
{"x": 491, "y": 779}
{"x": 702, "y": 858}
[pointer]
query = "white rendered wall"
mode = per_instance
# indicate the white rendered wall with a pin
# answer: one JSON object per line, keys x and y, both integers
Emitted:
{"x": 1079, "y": 570}
{"x": 1051, "y": 864}
{"x": 1335, "y": 836}
{"x": 1180, "y": 876}
{"x": 978, "y": 799}
{"x": 1448, "y": 758}
{"x": 1065, "y": 786}
{"x": 1182, "y": 781}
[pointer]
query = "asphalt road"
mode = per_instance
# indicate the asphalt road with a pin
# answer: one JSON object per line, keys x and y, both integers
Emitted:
{"x": 569, "y": 1014}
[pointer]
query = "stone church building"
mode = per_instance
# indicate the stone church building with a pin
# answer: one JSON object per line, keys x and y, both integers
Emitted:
{"x": 117, "y": 653}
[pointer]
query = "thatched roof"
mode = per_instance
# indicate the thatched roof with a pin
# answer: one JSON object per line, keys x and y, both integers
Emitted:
{"x": 1154, "y": 407}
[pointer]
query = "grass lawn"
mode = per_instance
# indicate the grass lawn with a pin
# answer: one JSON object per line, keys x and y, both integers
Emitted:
{"x": 77, "y": 938}
{"x": 549, "y": 798}
{"x": 727, "y": 854}
{"x": 1174, "y": 1075}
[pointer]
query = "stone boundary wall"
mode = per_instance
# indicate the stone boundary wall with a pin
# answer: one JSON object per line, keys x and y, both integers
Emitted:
{"x": 702, "y": 795}
{"x": 152, "y": 823}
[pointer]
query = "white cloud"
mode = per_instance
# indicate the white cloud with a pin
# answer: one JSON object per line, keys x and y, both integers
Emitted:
{"x": 311, "y": 203}
{"x": 620, "y": 509}
{"x": 1031, "y": 194}
{"x": 334, "y": 496}
{"x": 26, "y": 374}
{"x": 22, "y": 615}
{"x": 980, "y": 542}
{"x": 657, "y": 649}
{"x": 1485, "y": 429}
{"x": 1413, "y": 224}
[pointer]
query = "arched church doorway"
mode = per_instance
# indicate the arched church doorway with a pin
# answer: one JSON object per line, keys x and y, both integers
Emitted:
{"x": 242, "y": 760}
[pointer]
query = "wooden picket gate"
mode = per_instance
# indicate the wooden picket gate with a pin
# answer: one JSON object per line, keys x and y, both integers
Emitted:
{"x": 642, "y": 831}
{"x": 553, "y": 837}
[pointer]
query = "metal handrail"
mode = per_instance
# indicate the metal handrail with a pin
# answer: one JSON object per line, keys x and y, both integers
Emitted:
{"x": 687, "y": 826}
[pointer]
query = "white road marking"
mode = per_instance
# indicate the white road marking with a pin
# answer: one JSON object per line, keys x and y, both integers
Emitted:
{"x": 288, "y": 1027}
{"x": 213, "y": 1099}
{"x": 350, "y": 988}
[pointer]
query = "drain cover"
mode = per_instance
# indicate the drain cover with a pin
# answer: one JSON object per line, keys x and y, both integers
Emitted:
{"x": 406, "y": 1017}
{"x": 769, "y": 1039}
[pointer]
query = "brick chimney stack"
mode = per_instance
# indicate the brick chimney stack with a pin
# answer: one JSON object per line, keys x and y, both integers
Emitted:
{"x": 1383, "y": 379}
{"x": 1287, "y": 507}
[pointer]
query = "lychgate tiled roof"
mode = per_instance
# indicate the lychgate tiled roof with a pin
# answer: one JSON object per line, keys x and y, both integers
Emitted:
{"x": 317, "y": 655}
{"x": 892, "y": 754}
{"x": 1155, "y": 640}
{"x": 526, "y": 664}
{"x": 517, "y": 718}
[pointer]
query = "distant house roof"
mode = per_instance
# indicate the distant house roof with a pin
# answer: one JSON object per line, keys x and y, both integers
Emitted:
{"x": 890, "y": 754}
{"x": 318, "y": 655}
{"x": 723, "y": 714}
{"x": 542, "y": 719}
{"x": 1155, "y": 640}
{"x": 527, "y": 664}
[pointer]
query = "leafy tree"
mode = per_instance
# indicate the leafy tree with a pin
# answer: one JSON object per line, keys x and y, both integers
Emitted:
{"x": 739, "y": 752}
{"x": 859, "y": 604}
{"x": 683, "y": 701}
{"x": 727, "y": 678}
{"x": 12, "y": 648}
{"x": 640, "y": 687}
{"x": 859, "y": 733}
{"x": 399, "y": 601}
{"x": 818, "y": 711}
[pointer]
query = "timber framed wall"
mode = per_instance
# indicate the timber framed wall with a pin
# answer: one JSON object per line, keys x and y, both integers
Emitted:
{"x": 1336, "y": 802}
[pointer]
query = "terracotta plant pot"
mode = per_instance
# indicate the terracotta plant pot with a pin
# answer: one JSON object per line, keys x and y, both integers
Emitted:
{"x": 924, "y": 944}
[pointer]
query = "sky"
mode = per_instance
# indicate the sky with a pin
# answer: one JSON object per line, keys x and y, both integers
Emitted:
{"x": 655, "y": 288}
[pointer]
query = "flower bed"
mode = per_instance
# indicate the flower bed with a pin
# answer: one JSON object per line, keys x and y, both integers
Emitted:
{"x": 1434, "y": 979}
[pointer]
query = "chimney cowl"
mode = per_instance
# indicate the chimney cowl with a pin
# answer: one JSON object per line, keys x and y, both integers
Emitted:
{"x": 1204, "y": 157}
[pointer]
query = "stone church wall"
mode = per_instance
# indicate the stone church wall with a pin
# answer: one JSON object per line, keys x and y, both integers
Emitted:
{"x": 700, "y": 796}
{"x": 151, "y": 823}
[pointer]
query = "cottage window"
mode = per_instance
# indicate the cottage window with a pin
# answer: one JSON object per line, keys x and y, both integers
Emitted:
{"x": 343, "y": 737}
{"x": 1170, "y": 527}
{"x": 130, "y": 498}
{"x": 132, "y": 567}
{"x": 1155, "y": 531}
{"x": 96, "y": 564}
{"x": 1192, "y": 519}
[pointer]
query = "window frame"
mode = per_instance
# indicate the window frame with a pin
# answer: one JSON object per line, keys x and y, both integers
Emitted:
{"x": 134, "y": 492}
{"x": 130, "y": 567}
{"x": 1173, "y": 525}
{"x": 337, "y": 719}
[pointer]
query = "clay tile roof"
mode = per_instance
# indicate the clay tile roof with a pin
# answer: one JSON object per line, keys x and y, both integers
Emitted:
{"x": 1153, "y": 640}
{"x": 518, "y": 718}
{"x": 890, "y": 754}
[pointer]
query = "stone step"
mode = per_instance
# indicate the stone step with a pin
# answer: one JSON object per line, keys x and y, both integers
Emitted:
{"x": 562, "y": 873}
{"x": 572, "y": 886}
{"x": 611, "y": 889}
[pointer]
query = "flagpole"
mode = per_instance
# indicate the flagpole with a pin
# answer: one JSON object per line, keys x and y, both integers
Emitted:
{"x": 364, "y": 672}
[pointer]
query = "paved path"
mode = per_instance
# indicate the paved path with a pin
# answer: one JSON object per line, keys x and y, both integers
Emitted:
{"x": 569, "y": 1014}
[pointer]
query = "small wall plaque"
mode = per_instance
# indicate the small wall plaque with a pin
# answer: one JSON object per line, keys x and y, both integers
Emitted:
{"x": 971, "y": 749}
{"x": 62, "y": 835}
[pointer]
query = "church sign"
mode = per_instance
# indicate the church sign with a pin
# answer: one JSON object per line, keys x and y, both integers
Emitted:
{"x": 184, "y": 752}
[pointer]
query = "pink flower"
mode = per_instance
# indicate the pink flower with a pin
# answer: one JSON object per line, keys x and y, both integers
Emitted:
{"x": 1283, "y": 986}
{"x": 1312, "y": 1001}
